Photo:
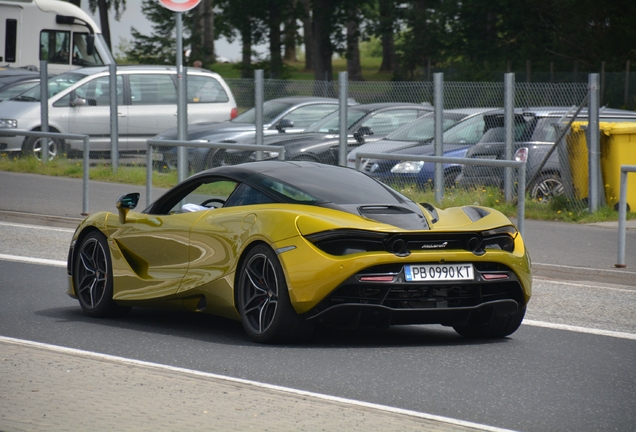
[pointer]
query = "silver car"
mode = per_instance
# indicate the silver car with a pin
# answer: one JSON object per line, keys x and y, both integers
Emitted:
{"x": 79, "y": 103}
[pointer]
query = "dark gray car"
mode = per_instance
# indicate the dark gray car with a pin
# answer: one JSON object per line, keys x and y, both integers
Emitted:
{"x": 534, "y": 135}
{"x": 287, "y": 115}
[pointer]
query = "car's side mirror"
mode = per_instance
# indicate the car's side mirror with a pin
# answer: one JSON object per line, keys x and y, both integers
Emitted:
{"x": 78, "y": 101}
{"x": 90, "y": 44}
{"x": 284, "y": 124}
{"x": 125, "y": 203}
{"x": 361, "y": 132}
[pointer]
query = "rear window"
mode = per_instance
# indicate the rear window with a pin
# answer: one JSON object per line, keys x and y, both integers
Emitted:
{"x": 326, "y": 186}
{"x": 205, "y": 89}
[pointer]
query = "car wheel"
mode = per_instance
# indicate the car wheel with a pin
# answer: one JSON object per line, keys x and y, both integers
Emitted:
{"x": 263, "y": 300}
{"x": 497, "y": 327}
{"x": 33, "y": 147}
{"x": 450, "y": 178}
{"x": 547, "y": 187}
{"x": 93, "y": 278}
{"x": 215, "y": 158}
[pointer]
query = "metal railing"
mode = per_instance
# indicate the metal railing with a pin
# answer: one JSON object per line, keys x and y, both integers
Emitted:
{"x": 53, "y": 135}
{"x": 622, "y": 214}
{"x": 176, "y": 143}
{"x": 521, "y": 175}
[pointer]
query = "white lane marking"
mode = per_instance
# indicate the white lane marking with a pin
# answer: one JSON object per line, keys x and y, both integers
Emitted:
{"x": 31, "y": 260}
{"x": 196, "y": 373}
{"x": 582, "y": 285}
{"x": 17, "y": 225}
{"x": 578, "y": 329}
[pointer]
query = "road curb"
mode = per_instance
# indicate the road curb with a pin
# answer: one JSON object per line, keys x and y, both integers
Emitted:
{"x": 46, "y": 220}
{"x": 573, "y": 273}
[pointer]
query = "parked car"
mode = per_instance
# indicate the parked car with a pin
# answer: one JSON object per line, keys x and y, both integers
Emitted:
{"x": 320, "y": 142}
{"x": 286, "y": 246}
{"x": 456, "y": 142}
{"x": 12, "y": 90}
{"x": 14, "y": 81}
{"x": 79, "y": 103}
{"x": 535, "y": 135}
{"x": 288, "y": 115}
{"x": 9, "y": 75}
{"x": 418, "y": 132}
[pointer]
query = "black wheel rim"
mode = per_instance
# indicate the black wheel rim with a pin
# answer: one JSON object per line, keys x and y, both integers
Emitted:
{"x": 259, "y": 293}
{"x": 92, "y": 273}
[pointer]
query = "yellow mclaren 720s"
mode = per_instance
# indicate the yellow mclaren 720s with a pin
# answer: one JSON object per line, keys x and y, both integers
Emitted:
{"x": 286, "y": 246}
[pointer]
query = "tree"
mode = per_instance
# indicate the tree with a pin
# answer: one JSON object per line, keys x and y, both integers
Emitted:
{"x": 119, "y": 6}
{"x": 308, "y": 34}
{"x": 323, "y": 26}
{"x": 202, "y": 42}
{"x": 386, "y": 29}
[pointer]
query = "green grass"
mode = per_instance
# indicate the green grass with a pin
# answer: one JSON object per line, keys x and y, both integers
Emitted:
{"x": 555, "y": 210}
{"x": 296, "y": 70}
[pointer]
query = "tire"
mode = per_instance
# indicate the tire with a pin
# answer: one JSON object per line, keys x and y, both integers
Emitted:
{"x": 498, "y": 327}
{"x": 93, "y": 278}
{"x": 450, "y": 178}
{"x": 263, "y": 301}
{"x": 215, "y": 158}
{"x": 546, "y": 187}
{"x": 33, "y": 147}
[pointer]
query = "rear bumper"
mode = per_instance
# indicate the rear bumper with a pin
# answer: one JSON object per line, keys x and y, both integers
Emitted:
{"x": 357, "y": 315}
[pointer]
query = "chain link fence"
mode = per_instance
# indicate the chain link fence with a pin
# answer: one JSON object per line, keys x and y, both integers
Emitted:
{"x": 473, "y": 125}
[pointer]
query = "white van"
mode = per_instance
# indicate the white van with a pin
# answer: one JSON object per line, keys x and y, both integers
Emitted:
{"x": 52, "y": 30}
{"x": 79, "y": 103}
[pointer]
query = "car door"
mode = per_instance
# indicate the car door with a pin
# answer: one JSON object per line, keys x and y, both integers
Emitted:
{"x": 302, "y": 117}
{"x": 152, "y": 109}
{"x": 88, "y": 111}
{"x": 151, "y": 253}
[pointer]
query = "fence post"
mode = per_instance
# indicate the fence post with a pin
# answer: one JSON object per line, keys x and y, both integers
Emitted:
{"x": 44, "y": 111}
{"x": 85, "y": 176}
{"x": 593, "y": 143}
{"x": 438, "y": 107}
{"x": 622, "y": 214}
{"x": 509, "y": 124}
{"x": 258, "y": 107}
{"x": 182, "y": 133}
{"x": 114, "y": 119}
{"x": 343, "y": 78}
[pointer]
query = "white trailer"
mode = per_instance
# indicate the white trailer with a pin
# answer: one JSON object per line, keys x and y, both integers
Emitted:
{"x": 51, "y": 30}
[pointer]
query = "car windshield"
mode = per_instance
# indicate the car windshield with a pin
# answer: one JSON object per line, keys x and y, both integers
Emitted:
{"x": 271, "y": 110}
{"x": 331, "y": 123}
{"x": 325, "y": 186}
{"x": 56, "y": 85}
{"x": 15, "y": 90}
{"x": 423, "y": 129}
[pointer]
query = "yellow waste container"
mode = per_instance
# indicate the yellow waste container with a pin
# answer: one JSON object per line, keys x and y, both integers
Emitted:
{"x": 618, "y": 149}
{"x": 578, "y": 158}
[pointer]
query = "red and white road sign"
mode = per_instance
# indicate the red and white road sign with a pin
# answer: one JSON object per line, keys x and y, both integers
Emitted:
{"x": 179, "y": 5}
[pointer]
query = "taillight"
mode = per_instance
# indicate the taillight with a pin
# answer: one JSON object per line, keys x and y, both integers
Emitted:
{"x": 521, "y": 155}
{"x": 233, "y": 113}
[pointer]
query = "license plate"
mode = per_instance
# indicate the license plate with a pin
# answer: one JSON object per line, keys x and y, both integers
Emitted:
{"x": 157, "y": 157}
{"x": 438, "y": 272}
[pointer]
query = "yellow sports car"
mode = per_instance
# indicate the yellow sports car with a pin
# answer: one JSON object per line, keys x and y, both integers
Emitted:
{"x": 286, "y": 246}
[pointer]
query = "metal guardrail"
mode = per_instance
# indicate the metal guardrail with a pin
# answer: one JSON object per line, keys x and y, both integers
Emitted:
{"x": 521, "y": 181}
{"x": 622, "y": 214}
{"x": 84, "y": 138}
{"x": 176, "y": 143}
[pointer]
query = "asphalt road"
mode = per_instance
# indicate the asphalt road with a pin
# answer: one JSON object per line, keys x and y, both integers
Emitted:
{"x": 541, "y": 378}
